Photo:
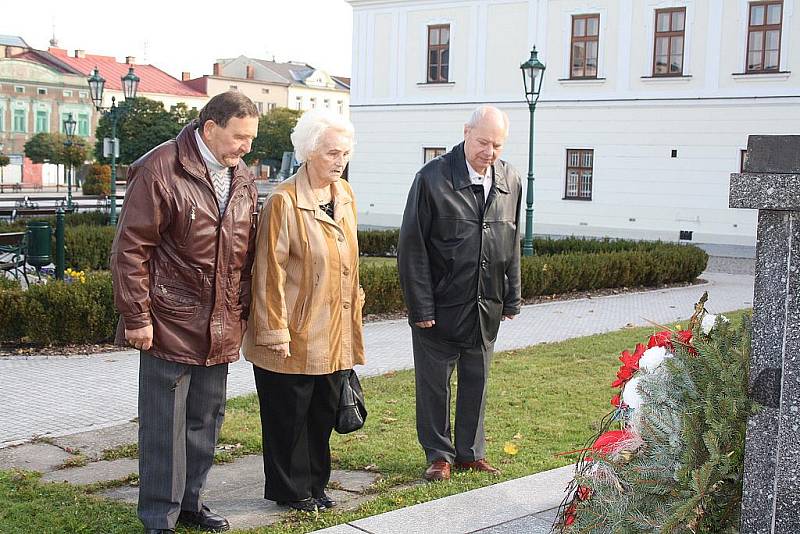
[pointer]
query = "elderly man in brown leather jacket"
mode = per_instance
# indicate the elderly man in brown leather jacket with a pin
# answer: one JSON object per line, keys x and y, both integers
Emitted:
{"x": 181, "y": 262}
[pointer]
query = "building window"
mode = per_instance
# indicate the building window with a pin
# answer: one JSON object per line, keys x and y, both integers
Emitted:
{"x": 669, "y": 34}
{"x": 83, "y": 94}
{"x": 233, "y": 87}
{"x": 340, "y": 104}
{"x": 764, "y": 36}
{"x": 429, "y": 153}
{"x": 67, "y": 92}
{"x": 265, "y": 91}
{"x": 42, "y": 124}
{"x": 580, "y": 164}
{"x": 19, "y": 121}
{"x": 313, "y": 103}
{"x": 299, "y": 102}
{"x": 41, "y": 91}
{"x": 83, "y": 124}
{"x": 327, "y": 103}
{"x": 271, "y": 106}
{"x": 438, "y": 53}
{"x": 260, "y": 106}
{"x": 19, "y": 89}
{"x": 585, "y": 44}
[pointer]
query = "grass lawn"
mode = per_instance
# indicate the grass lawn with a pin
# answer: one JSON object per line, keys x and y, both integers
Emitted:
{"x": 543, "y": 399}
{"x": 376, "y": 260}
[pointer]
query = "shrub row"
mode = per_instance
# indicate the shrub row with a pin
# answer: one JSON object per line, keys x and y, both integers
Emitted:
{"x": 60, "y": 312}
{"x": 90, "y": 218}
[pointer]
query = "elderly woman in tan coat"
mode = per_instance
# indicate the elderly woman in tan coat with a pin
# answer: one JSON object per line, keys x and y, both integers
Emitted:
{"x": 304, "y": 333}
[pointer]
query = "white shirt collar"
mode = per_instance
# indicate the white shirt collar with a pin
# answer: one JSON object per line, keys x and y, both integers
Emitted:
{"x": 481, "y": 179}
{"x": 214, "y": 166}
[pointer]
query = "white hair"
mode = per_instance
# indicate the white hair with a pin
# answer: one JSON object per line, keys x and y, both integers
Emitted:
{"x": 310, "y": 128}
{"x": 480, "y": 113}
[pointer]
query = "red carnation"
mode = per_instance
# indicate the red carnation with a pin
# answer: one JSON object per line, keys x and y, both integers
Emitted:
{"x": 660, "y": 339}
{"x": 583, "y": 493}
{"x": 623, "y": 375}
{"x": 607, "y": 441}
{"x": 615, "y": 400}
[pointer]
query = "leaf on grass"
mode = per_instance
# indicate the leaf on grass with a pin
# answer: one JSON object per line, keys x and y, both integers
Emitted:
{"x": 510, "y": 448}
{"x": 388, "y": 420}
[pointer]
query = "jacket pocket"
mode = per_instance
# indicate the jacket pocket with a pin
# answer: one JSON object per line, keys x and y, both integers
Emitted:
{"x": 176, "y": 301}
{"x": 301, "y": 308}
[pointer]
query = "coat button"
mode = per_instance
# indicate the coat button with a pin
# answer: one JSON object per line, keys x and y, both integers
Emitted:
{"x": 346, "y": 305}
{"x": 484, "y": 263}
{"x": 485, "y": 226}
{"x": 346, "y": 271}
{"x": 341, "y": 239}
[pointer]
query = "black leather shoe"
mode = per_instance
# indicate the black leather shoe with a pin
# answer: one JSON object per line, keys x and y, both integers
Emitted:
{"x": 205, "y": 520}
{"x": 159, "y": 531}
{"x": 306, "y": 505}
{"x": 324, "y": 502}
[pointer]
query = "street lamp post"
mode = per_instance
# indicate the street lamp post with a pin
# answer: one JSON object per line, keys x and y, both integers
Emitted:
{"x": 69, "y": 129}
{"x": 130, "y": 83}
{"x": 532, "y": 75}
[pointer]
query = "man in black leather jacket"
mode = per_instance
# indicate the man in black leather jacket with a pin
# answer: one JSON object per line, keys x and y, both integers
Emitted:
{"x": 458, "y": 257}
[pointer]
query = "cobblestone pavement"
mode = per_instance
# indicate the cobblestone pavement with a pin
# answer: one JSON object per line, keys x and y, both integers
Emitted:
{"x": 53, "y": 396}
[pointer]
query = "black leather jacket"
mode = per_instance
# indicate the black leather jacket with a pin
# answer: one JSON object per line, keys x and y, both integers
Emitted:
{"x": 455, "y": 267}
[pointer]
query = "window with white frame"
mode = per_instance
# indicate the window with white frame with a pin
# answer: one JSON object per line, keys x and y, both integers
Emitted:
{"x": 42, "y": 122}
{"x": 20, "y": 121}
{"x": 83, "y": 124}
{"x": 580, "y": 168}
{"x": 438, "y": 53}
{"x": 429, "y": 153}
{"x": 670, "y": 32}
{"x": 585, "y": 46}
{"x": 764, "y": 27}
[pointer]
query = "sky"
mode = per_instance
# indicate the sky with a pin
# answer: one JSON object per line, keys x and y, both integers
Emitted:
{"x": 177, "y": 35}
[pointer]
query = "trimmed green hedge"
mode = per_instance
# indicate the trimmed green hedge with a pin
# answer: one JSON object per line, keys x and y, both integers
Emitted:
{"x": 648, "y": 264}
{"x": 61, "y": 312}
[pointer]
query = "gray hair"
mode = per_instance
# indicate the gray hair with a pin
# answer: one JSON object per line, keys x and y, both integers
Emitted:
{"x": 310, "y": 128}
{"x": 480, "y": 113}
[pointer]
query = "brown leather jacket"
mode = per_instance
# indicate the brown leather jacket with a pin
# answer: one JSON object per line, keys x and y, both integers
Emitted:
{"x": 176, "y": 263}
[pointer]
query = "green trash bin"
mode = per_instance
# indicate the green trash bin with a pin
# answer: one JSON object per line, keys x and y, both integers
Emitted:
{"x": 39, "y": 235}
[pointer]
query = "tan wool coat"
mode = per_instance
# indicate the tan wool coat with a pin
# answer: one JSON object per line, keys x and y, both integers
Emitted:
{"x": 305, "y": 286}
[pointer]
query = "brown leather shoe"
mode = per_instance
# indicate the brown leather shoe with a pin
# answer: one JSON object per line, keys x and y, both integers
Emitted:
{"x": 478, "y": 465}
{"x": 438, "y": 470}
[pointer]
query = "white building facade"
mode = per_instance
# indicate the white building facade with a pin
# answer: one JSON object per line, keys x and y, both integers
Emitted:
{"x": 644, "y": 112}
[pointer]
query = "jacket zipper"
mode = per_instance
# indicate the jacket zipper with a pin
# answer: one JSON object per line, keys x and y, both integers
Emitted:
{"x": 192, "y": 217}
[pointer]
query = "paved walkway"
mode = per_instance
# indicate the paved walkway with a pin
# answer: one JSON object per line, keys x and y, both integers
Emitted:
{"x": 60, "y": 395}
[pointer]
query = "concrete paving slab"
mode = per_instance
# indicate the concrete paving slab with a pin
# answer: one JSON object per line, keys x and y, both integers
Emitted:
{"x": 103, "y": 471}
{"x": 41, "y": 457}
{"x": 236, "y": 490}
{"x": 345, "y": 528}
{"x": 498, "y": 504}
{"x": 93, "y": 443}
{"x": 529, "y": 524}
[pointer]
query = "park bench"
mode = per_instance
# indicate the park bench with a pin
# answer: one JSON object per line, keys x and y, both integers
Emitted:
{"x": 12, "y": 254}
{"x": 22, "y": 185}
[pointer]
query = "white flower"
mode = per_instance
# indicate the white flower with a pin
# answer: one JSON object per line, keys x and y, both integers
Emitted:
{"x": 653, "y": 357}
{"x": 630, "y": 395}
{"x": 709, "y": 320}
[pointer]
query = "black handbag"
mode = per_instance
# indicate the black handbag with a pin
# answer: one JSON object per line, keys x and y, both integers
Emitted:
{"x": 352, "y": 411}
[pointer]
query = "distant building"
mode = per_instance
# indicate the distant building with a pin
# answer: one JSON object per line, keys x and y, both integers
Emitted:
{"x": 39, "y": 89}
{"x": 645, "y": 110}
{"x": 273, "y": 84}
{"x": 37, "y": 93}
